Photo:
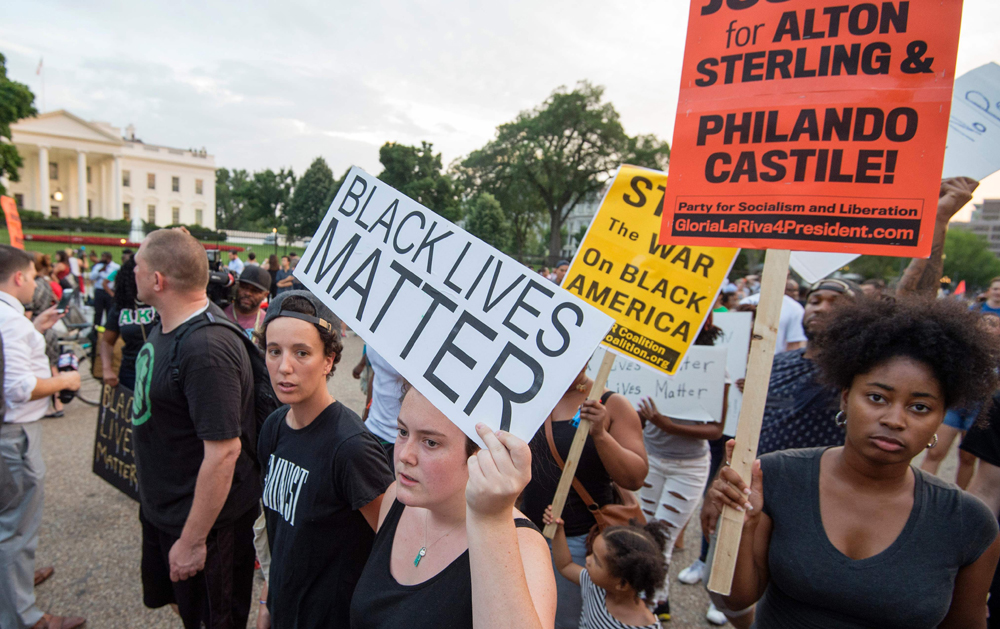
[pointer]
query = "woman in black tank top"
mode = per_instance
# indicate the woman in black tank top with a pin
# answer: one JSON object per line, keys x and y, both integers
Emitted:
{"x": 448, "y": 523}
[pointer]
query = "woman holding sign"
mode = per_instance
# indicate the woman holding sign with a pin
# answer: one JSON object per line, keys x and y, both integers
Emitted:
{"x": 451, "y": 549}
{"x": 855, "y": 536}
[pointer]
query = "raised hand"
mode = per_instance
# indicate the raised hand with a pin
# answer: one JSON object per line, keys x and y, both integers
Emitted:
{"x": 497, "y": 473}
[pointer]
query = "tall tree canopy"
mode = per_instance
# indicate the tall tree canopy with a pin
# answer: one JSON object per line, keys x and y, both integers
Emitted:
{"x": 231, "y": 194}
{"x": 967, "y": 257}
{"x": 417, "y": 173}
{"x": 312, "y": 197}
{"x": 268, "y": 195}
{"x": 560, "y": 152}
{"x": 485, "y": 219}
{"x": 16, "y": 102}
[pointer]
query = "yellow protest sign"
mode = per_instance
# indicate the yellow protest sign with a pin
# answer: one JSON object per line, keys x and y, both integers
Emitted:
{"x": 659, "y": 295}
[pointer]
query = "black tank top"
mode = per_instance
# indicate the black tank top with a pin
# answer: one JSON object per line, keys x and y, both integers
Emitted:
{"x": 545, "y": 473}
{"x": 441, "y": 602}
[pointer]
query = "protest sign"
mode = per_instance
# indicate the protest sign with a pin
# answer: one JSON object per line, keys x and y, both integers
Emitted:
{"x": 694, "y": 393}
{"x": 13, "y": 222}
{"x": 974, "y": 127}
{"x": 736, "y": 333}
{"x": 483, "y": 337}
{"x": 658, "y": 294}
{"x": 114, "y": 459}
{"x": 814, "y": 126}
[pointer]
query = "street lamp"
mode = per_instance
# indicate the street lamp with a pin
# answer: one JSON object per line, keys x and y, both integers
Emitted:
{"x": 58, "y": 196}
{"x": 274, "y": 234}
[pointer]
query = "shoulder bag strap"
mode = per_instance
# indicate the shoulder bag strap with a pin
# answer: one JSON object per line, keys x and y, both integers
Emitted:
{"x": 577, "y": 485}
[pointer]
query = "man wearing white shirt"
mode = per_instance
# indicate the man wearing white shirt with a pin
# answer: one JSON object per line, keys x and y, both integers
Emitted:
{"x": 791, "y": 335}
{"x": 28, "y": 383}
{"x": 102, "y": 298}
{"x": 235, "y": 264}
{"x": 387, "y": 397}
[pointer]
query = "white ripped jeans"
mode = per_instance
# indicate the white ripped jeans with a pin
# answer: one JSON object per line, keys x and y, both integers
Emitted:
{"x": 671, "y": 493}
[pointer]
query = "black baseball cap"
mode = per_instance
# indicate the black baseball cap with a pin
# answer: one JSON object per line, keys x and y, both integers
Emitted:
{"x": 256, "y": 277}
{"x": 324, "y": 317}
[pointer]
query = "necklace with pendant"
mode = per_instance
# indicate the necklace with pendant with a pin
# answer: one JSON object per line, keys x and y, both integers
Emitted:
{"x": 423, "y": 549}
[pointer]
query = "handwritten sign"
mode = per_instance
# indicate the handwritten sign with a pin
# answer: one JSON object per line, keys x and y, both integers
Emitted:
{"x": 658, "y": 294}
{"x": 813, "y": 126}
{"x": 483, "y": 337}
{"x": 974, "y": 126}
{"x": 694, "y": 393}
{"x": 114, "y": 459}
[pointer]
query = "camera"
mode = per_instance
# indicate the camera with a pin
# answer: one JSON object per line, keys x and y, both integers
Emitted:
{"x": 220, "y": 280}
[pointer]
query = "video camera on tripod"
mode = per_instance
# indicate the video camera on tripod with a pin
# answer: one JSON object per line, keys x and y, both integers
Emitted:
{"x": 220, "y": 280}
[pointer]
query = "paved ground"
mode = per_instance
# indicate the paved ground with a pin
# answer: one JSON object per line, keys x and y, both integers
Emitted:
{"x": 91, "y": 534}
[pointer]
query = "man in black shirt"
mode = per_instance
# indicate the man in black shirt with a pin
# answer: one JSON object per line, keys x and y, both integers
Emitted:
{"x": 199, "y": 490}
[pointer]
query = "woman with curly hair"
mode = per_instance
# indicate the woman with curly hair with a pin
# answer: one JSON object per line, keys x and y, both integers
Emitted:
{"x": 324, "y": 473}
{"x": 855, "y": 536}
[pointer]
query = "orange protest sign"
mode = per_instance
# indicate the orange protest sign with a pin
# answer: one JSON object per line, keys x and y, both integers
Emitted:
{"x": 13, "y": 222}
{"x": 814, "y": 125}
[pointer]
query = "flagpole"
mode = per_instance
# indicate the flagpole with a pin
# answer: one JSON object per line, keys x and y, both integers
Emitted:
{"x": 39, "y": 72}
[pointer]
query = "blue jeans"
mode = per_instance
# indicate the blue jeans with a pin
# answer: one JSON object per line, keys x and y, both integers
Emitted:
{"x": 570, "y": 602}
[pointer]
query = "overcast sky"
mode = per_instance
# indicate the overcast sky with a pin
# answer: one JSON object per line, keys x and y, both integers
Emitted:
{"x": 277, "y": 84}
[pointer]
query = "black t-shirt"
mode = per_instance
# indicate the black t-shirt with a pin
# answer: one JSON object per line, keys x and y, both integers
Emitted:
{"x": 983, "y": 439}
{"x": 316, "y": 479}
{"x": 130, "y": 324}
{"x": 212, "y": 400}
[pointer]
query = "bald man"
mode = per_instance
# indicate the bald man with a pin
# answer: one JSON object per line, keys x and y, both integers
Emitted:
{"x": 193, "y": 402}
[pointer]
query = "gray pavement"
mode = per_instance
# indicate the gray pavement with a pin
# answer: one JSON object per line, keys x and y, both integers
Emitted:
{"x": 91, "y": 533}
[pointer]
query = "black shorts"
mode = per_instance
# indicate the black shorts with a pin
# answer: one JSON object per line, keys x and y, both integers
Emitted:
{"x": 218, "y": 597}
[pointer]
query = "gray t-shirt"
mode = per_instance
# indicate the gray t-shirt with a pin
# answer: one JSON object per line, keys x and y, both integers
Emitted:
{"x": 909, "y": 585}
{"x": 663, "y": 445}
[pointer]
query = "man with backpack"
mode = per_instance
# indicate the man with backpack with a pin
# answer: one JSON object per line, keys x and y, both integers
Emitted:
{"x": 194, "y": 429}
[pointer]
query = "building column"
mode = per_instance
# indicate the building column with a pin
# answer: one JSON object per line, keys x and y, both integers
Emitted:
{"x": 116, "y": 187}
{"x": 81, "y": 184}
{"x": 102, "y": 206}
{"x": 43, "y": 204}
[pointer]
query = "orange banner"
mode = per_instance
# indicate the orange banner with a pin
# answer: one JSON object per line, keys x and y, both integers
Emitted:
{"x": 813, "y": 125}
{"x": 13, "y": 222}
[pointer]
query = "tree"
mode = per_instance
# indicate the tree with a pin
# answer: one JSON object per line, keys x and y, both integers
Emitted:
{"x": 16, "y": 102}
{"x": 416, "y": 172}
{"x": 967, "y": 257}
{"x": 485, "y": 219}
{"x": 311, "y": 199}
{"x": 268, "y": 194}
{"x": 231, "y": 195}
{"x": 562, "y": 152}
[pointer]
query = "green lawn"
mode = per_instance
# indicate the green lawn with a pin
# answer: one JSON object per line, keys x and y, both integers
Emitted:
{"x": 52, "y": 247}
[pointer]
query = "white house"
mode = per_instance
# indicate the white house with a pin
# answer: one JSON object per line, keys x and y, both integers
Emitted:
{"x": 74, "y": 168}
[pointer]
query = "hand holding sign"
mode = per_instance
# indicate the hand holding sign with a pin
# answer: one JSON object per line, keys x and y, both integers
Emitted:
{"x": 497, "y": 474}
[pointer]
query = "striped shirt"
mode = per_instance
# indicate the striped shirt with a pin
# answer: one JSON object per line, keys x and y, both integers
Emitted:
{"x": 595, "y": 614}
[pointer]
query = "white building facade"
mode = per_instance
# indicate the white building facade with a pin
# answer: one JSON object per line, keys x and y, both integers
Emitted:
{"x": 74, "y": 168}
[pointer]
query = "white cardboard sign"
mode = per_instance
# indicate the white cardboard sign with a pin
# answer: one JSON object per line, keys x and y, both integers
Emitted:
{"x": 483, "y": 337}
{"x": 737, "y": 329}
{"x": 694, "y": 393}
{"x": 974, "y": 126}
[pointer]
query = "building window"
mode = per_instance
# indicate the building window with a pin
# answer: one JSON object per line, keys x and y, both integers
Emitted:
{"x": 88, "y": 174}
{"x": 54, "y": 211}
{"x": 151, "y": 181}
{"x": 90, "y": 208}
{"x": 54, "y": 171}
{"x": 151, "y": 214}
{"x": 175, "y": 184}
{"x": 198, "y": 186}
{"x": 127, "y": 178}
{"x": 127, "y": 211}
{"x": 175, "y": 215}
{"x": 19, "y": 201}
{"x": 198, "y": 217}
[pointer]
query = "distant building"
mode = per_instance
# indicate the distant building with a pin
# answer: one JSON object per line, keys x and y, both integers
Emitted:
{"x": 74, "y": 168}
{"x": 578, "y": 221}
{"x": 985, "y": 221}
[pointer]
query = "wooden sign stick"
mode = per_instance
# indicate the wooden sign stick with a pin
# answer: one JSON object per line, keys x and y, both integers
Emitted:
{"x": 765, "y": 332}
{"x": 576, "y": 447}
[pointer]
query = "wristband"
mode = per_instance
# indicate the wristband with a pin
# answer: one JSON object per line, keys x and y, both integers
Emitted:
{"x": 263, "y": 602}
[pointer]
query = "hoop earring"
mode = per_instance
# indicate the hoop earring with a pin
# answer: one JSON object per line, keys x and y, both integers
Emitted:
{"x": 840, "y": 419}
{"x": 933, "y": 443}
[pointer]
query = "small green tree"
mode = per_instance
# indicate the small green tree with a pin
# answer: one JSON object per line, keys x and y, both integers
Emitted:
{"x": 268, "y": 195}
{"x": 16, "y": 102}
{"x": 232, "y": 190}
{"x": 417, "y": 173}
{"x": 311, "y": 199}
{"x": 967, "y": 257}
{"x": 485, "y": 219}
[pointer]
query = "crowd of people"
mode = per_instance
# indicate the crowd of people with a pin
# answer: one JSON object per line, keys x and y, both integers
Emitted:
{"x": 391, "y": 516}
